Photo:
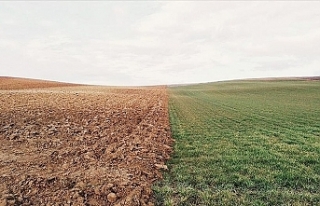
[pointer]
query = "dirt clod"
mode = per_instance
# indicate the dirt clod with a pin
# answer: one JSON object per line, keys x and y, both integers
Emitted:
{"x": 112, "y": 197}
{"x": 160, "y": 166}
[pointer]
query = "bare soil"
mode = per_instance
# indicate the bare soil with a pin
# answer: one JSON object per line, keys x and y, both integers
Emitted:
{"x": 12, "y": 83}
{"x": 82, "y": 145}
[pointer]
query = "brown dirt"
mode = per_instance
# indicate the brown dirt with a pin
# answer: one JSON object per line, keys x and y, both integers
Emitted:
{"x": 82, "y": 145}
{"x": 10, "y": 83}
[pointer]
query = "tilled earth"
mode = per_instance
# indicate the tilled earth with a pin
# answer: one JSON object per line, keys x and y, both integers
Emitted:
{"x": 10, "y": 83}
{"x": 82, "y": 145}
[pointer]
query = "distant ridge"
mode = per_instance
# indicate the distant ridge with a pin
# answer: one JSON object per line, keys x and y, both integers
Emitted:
{"x": 314, "y": 78}
{"x": 310, "y": 78}
{"x": 11, "y": 83}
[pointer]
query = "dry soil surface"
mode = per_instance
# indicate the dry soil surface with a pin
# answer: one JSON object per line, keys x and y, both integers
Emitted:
{"x": 10, "y": 83}
{"x": 82, "y": 145}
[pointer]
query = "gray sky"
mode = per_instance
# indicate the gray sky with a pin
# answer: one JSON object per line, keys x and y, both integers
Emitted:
{"x": 147, "y": 43}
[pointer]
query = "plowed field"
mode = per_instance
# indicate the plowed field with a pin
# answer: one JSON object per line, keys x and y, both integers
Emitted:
{"x": 9, "y": 83}
{"x": 82, "y": 145}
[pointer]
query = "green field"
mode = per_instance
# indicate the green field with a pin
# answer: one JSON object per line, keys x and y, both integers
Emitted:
{"x": 244, "y": 143}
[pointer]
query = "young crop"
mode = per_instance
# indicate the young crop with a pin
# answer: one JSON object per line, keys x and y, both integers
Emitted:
{"x": 244, "y": 143}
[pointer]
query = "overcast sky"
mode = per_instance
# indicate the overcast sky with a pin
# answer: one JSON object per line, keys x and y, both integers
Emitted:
{"x": 148, "y": 43}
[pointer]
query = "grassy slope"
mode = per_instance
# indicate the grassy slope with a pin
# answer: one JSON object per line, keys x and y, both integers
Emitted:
{"x": 244, "y": 143}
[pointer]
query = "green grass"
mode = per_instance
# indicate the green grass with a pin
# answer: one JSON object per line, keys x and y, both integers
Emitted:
{"x": 244, "y": 143}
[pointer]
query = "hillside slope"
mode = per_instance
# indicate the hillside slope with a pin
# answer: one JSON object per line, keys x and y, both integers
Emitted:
{"x": 244, "y": 143}
{"x": 11, "y": 83}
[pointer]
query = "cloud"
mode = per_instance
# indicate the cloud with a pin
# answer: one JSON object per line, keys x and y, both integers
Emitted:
{"x": 139, "y": 43}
